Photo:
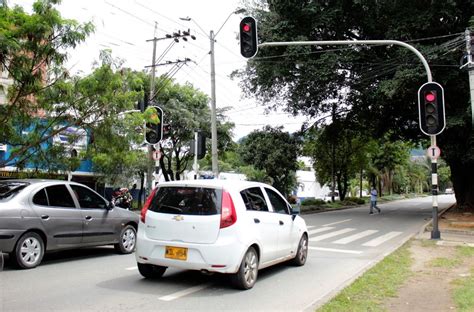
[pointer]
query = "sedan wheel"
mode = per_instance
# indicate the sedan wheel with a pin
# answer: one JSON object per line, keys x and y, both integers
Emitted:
{"x": 302, "y": 252}
{"x": 29, "y": 250}
{"x": 127, "y": 240}
{"x": 246, "y": 277}
{"x": 151, "y": 271}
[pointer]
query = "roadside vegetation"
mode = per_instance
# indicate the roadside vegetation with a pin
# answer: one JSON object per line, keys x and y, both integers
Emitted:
{"x": 395, "y": 281}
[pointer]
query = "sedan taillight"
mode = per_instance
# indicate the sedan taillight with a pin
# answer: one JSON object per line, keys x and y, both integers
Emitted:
{"x": 228, "y": 214}
{"x": 147, "y": 204}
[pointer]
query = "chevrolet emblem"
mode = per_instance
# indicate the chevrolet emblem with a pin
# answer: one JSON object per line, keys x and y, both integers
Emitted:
{"x": 178, "y": 218}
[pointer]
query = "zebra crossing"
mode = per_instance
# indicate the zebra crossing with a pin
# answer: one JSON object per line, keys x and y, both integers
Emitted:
{"x": 333, "y": 235}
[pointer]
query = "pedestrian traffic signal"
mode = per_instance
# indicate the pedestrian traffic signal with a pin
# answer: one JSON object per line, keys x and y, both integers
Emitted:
{"x": 154, "y": 124}
{"x": 248, "y": 37}
{"x": 201, "y": 145}
{"x": 431, "y": 108}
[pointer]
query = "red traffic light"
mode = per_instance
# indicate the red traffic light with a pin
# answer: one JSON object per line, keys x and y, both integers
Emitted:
{"x": 430, "y": 96}
{"x": 246, "y": 27}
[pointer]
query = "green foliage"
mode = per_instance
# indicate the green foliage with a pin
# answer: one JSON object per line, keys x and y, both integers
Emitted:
{"x": 349, "y": 201}
{"x": 312, "y": 202}
{"x": 274, "y": 152}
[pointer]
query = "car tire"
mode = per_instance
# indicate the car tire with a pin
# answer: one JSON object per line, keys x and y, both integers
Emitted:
{"x": 151, "y": 271}
{"x": 301, "y": 252}
{"x": 127, "y": 240}
{"x": 246, "y": 276}
{"x": 29, "y": 251}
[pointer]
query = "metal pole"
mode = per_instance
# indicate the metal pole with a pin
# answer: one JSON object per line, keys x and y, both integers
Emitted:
{"x": 470, "y": 69}
{"x": 195, "y": 165}
{"x": 435, "y": 234}
{"x": 149, "y": 175}
{"x": 215, "y": 168}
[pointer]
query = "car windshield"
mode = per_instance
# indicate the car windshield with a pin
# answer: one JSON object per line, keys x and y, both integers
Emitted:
{"x": 10, "y": 189}
{"x": 187, "y": 201}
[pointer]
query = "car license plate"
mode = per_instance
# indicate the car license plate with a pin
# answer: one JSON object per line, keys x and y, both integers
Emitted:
{"x": 177, "y": 253}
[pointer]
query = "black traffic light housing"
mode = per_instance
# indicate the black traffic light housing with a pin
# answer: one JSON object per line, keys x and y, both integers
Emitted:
{"x": 201, "y": 145}
{"x": 248, "y": 37}
{"x": 431, "y": 108}
{"x": 154, "y": 125}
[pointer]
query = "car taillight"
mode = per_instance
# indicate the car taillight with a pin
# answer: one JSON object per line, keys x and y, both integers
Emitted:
{"x": 147, "y": 204}
{"x": 228, "y": 214}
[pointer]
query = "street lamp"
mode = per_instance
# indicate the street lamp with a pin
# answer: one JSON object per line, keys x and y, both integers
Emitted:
{"x": 212, "y": 37}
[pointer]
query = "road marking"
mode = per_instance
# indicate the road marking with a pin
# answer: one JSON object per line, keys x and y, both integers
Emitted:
{"x": 381, "y": 239}
{"x": 328, "y": 235}
{"x": 354, "y": 237}
{"x": 337, "y": 250}
{"x": 323, "y": 229}
{"x": 183, "y": 293}
{"x": 132, "y": 268}
{"x": 310, "y": 226}
{"x": 334, "y": 223}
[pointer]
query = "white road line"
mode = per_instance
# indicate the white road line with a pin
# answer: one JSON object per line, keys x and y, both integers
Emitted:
{"x": 337, "y": 250}
{"x": 354, "y": 237}
{"x": 328, "y": 235}
{"x": 310, "y": 226}
{"x": 323, "y": 229}
{"x": 183, "y": 293}
{"x": 381, "y": 239}
{"x": 132, "y": 268}
{"x": 334, "y": 223}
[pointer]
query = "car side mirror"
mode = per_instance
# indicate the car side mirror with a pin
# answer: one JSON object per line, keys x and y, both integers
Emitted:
{"x": 110, "y": 206}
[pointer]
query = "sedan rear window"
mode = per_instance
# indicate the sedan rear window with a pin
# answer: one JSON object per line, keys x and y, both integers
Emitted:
{"x": 12, "y": 188}
{"x": 187, "y": 201}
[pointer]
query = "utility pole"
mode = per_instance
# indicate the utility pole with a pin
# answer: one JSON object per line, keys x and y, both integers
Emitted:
{"x": 149, "y": 171}
{"x": 215, "y": 168}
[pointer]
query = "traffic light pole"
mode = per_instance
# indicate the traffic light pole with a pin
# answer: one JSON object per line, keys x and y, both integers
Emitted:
{"x": 435, "y": 234}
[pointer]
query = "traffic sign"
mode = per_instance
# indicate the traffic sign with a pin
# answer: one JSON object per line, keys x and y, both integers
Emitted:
{"x": 433, "y": 152}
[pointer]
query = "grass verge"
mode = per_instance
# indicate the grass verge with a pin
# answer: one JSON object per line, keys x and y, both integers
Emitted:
{"x": 464, "y": 293}
{"x": 368, "y": 292}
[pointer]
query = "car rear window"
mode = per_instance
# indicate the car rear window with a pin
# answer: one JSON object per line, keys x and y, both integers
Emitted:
{"x": 10, "y": 189}
{"x": 187, "y": 200}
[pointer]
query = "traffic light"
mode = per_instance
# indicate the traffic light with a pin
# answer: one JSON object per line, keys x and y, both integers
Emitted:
{"x": 154, "y": 125}
{"x": 248, "y": 37}
{"x": 431, "y": 108}
{"x": 201, "y": 145}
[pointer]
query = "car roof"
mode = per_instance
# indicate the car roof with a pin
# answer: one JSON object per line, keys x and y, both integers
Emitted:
{"x": 215, "y": 183}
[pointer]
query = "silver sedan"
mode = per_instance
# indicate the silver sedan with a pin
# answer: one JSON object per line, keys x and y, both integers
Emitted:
{"x": 45, "y": 215}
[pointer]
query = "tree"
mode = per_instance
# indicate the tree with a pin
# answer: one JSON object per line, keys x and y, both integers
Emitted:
{"x": 32, "y": 52}
{"x": 379, "y": 82}
{"x": 275, "y": 152}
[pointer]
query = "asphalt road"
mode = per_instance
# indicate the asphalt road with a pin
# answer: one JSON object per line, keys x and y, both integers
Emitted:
{"x": 343, "y": 244}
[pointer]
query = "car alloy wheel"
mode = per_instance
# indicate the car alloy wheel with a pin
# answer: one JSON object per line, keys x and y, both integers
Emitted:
{"x": 127, "y": 240}
{"x": 246, "y": 277}
{"x": 302, "y": 252}
{"x": 29, "y": 250}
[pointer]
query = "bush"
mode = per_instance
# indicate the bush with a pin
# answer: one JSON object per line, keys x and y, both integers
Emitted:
{"x": 353, "y": 201}
{"x": 312, "y": 202}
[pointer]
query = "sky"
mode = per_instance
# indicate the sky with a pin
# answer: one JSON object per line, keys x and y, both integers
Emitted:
{"x": 124, "y": 26}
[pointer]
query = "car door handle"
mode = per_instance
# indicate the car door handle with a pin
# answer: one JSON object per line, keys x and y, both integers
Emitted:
{"x": 88, "y": 218}
{"x": 281, "y": 222}
{"x": 44, "y": 217}
{"x": 256, "y": 220}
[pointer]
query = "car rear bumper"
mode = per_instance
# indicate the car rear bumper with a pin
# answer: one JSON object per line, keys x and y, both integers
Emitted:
{"x": 223, "y": 256}
{"x": 8, "y": 239}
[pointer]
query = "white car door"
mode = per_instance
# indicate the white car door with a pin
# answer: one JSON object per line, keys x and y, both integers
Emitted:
{"x": 264, "y": 223}
{"x": 287, "y": 232}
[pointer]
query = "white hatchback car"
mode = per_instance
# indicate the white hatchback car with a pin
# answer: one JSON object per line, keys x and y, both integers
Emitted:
{"x": 235, "y": 227}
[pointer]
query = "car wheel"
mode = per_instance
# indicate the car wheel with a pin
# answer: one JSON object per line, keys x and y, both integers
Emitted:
{"x": 247, "y": 274}
{"x": 127, "y": 240}
{"x": 151, "y": 271}
{"x": 29, "y": 251}
{"x": 302, "y": 252}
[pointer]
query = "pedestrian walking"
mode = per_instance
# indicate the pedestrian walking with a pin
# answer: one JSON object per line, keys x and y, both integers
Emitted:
{"x": 373, "y": 201}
